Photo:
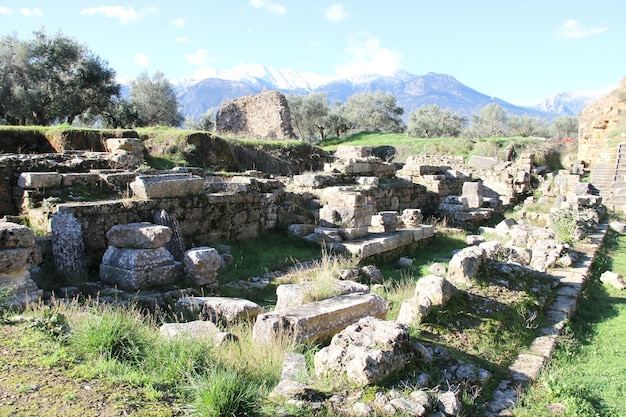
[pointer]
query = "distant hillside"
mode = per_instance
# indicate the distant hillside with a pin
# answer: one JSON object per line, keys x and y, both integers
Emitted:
{"x": 411, "y": 91}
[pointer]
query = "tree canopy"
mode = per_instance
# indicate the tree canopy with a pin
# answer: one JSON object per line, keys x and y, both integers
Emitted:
{"x": 433, "y": 122}
{"x": 155, "y": 100}
{"x": 51, "y": 79}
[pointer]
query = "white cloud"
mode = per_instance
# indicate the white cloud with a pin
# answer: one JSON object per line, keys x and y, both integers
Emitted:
{"x": 31, "y": 12}
{"x": 369, "y": 57}
{"x": 182, "y": 39}
{"x": 204, "y": 73}
{"x": 571, "y": 29}
{"x": 271, "y": 6}
{"x": 336, "y": 12}
{"x": 180, "y": 22}
{"x": 200, "y": 58}
{"x": 124, "y": 14}
{"x": 141, "y": 60}
{"x": 5, "y": 10}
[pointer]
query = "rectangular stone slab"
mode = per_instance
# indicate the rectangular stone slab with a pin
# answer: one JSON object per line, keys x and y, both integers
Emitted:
{"x": 317, "y": 321}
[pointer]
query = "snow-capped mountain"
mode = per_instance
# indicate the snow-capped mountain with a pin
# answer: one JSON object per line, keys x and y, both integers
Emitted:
{"x": 203, "y": 92}
{"x": 570, "y": 103}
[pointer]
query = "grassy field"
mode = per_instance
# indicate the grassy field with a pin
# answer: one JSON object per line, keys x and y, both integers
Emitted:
{"x": 587, "y": 375}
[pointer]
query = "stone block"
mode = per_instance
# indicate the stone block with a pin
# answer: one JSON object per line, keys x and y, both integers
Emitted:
{"x": 368, "y": 181}
{"x": 139, "y": 235}
{"x": 310, "y": 180}
{"x": 482, "y": 162}
{"x": 68, "y": 246}
{"x": 473, "y": 193}
{"x": 13, "y": 235}
{"x": 366, "y": 352}
{"x": 317, "y": 321}
{"x": 351, "y": 233}
{"x": 221, "y": 309}
{"x": 17, "y": 259}
{"x": 335, "y": 197}
{"x": 465, "y": 265}
{"x": 197, "y": 329}
{"x": 353, "y": 152}
{"x": 38, "y": 180}
{"x": 133, "y": 145}
{"x": 290, "y": 295}
{"x": 134, "y": 269}
{"x": 167, "y": 186}
{"x": 22, "y": 290}
{"x": 352, "y": 217}
{"x": 73, "y": 179}
{"x": 201, "y": 265}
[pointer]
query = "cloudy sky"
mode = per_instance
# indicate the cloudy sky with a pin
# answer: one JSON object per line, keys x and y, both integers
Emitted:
{"x": 519, "y": 51}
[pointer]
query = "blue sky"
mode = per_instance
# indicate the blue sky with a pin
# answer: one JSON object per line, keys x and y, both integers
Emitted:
{"x": 519, "y": 51}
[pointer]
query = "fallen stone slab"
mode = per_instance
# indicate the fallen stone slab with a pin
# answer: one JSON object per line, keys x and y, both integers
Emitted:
{"x": 291, "y": 295}
{"x": 465, "y": 265}
{"x": 21, "y": 289}
{"x": 197, "y": 329}
{"x": 221, "y": 309}
{"x": 366, "y": 352}
{"x": 317, "y": 321}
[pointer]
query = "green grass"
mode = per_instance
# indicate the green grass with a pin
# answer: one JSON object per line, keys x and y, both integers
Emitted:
{"x": 545, "y": 152}
{"x": 587, "y": 375}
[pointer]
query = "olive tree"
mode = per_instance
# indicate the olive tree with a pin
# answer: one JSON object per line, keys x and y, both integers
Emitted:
{"x": 50, "y": 79}
{"x": 491, "y": 121}
{"x": 155, "y": 100}
{"x": 564, "y": 127}
{"x": 431, "y": 121}
{"x": 373, "y": 112}
{"x": 308, "y": 115}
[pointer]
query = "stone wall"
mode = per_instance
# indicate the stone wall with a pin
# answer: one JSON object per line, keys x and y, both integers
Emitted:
{"x": 599, "y": 121}
{"x": 264, "y": 116}
{"x": 36, "y": 141}
{"x": 203, "y": 219}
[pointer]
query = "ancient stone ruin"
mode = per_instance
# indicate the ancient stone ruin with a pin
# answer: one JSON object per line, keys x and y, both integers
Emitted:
{"x": 264, "y": 116}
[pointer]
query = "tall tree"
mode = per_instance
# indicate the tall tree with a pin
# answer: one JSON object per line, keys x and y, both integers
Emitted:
{"x": 155, "y": 100}
{"x": 373, "y": 112}
{"x": 51, "y": 79}
{"x": 431, "y": 121}
{"x": 308, "y": 115}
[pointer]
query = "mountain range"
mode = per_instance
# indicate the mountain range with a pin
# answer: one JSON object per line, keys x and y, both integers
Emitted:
{"x": 411, "y": 91}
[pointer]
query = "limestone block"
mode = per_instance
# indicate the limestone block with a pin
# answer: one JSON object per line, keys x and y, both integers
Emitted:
{"x": 465, "y": 265}
{"x": 72, "y": 179}
{"x": 139, "y": 235}
{"x": 22, "y": 290}
{"x": 221, "y": 309}
{"x": 317, "y": 321}
{"x": 301, "y": 229}
{"x": 428, "y": 229}
{"x": 133, "y": 269}
{"x": 201, "y": 265}
{"x": 17, "y": 259}
{"x": 290, "y": 295}
{"x": 13, "y": 235}
{"x": 413, "y": 310}
{"x": 411, "y": 218}
{"x": 436, "y": 288}
{"x": 310, "y": 180}
{"x": 353, "y": 152}
{"x": 482, "y": 162}
{"x": 167, "y": 186}
{"x": 506, "y": 224}
{"x": 38, "y": 180}
{"x": 198, "y": 329}
{"x": 473, "y": 193}
{"x": 366, "y": 352}
{"x": 134, "y": 145}
{"x": 368, "y": 181}
{"x": 351, "y": 233}
{"x": 68, "y": 246}
{"x": 346, "y": 216}
{"x": 335, "y": 197}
